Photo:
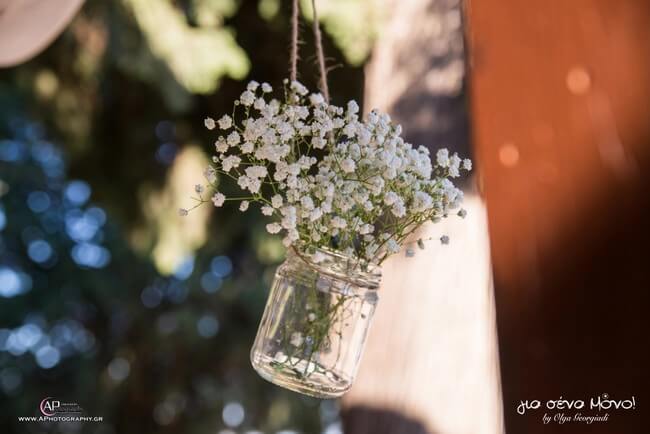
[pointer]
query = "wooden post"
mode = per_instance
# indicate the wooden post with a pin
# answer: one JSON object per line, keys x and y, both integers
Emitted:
{"x": 560, "y": 96}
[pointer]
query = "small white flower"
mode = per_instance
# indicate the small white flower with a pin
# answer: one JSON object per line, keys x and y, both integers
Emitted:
{"x": 267, "y": 210}
{"x": 273, "y": 228}
{"x": 182, "y": 212}
{"x": 366, "y": 229}
{"x": 299, "y": 88}
{"x": 442, "y": 157}
{"x": 247, "y": 98}
{"x": 390, "y": 198}
{"x": 252, "y": 86}
{"x": 243, "y": 206}
{"x": 315, "y": 214}
{"x": 338, "y": 222}
{"x": 296, "y": 339}
{"x": 199, "y": 188}
{"x": 318, "y": 142}
{"x": 392, "y": 246}
{"x": 467, "y": 164}
{"x": 276, "y": 201}
{"x": 247, "y": 148}
{"x": 266, "y": 88}
{"x": 254, "y": 185}
{"x": 221, "y": 145}
{"x": 454, "y": 166}
{"x": 225, "y": 122}
{"x": 398, "y": 209}
{"x": 307, "y": 203}
{"x": 256, "y": 171}
{"x": 218, "y": 199}
{"x": 311, "y": 317}
{"x": 316, "y": 99}
{"x": 462, "y": 213}
{"x": 230, "y": 162}
{"x": 233, "y": 139}
{"x": 348, "y": 165}
{"x": 209, "y": 123}
{"x": 353, "y": 107}
{"x": 259, "y": 104}
{"x": 210, "y": 174}
{"x": 444, "y": 239}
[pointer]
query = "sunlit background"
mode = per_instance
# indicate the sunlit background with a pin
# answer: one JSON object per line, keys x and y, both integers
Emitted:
{"x": 108, "y": 298}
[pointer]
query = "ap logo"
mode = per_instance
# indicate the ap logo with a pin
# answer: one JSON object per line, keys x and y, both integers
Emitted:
{"x": 49, "y": 406}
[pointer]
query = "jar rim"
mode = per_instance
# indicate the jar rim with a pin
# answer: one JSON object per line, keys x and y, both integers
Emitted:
{"x": 336, "y": 263}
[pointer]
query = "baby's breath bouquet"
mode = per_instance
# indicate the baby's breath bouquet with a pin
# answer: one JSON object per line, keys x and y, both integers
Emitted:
{"x": 344, "y": 193}
{"x": 327, "y": 179}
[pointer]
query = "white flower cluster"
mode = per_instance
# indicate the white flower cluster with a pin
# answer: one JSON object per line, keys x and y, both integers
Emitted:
{"x": 328, "y": 178}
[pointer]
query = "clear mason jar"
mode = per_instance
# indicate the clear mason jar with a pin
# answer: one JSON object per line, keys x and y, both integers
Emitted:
{"x": 315, "y": 323}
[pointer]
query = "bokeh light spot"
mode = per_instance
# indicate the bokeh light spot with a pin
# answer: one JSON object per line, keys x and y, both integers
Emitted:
{"x": 167, "y": 323}
{"x": 185, "y": 268}
{"x": 38, "y": 201}
{"x": 39, "y": 251}
{"x": 210, "y": 282}
{"x": 233, "y": 414}
{"x": 165, "y": 131}
{"x": 77, "y": 192}
{"x": 509, "y": 155}
{"x": 3, "y": 219}
{"x": 13, "y": 282}
{"x": 47, "y": 357}
{"x": 10, "y": 380}
{"x": 90, "y": 255}
{"x": 28, "y": 335}
{"x": 118, "y": 369}
{"x": 207, "y": 326}
{"x": 333, "y": 428}
{"x": 221, "y": 266}
{"x": 12, "y": 150}
{"x": 151, "y": 297}
{"x": 164, "y": 413}
{"x": 166, "y": 153}
{"x": 578, "y": 80}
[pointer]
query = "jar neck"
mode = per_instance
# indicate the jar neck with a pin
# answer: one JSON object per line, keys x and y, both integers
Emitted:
{"x": 339, "y": 266}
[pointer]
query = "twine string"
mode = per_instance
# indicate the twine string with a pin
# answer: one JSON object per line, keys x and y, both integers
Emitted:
{"x": 318, "y": 39}
{"x": 293, "y": 58}
{"x": 321, "y": 55}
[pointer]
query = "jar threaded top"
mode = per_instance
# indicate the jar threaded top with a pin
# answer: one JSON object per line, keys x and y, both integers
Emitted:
{"x": 340, "y": 266}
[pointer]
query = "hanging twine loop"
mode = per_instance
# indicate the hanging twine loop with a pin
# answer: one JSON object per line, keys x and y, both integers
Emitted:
{"x": 293, "y": 55}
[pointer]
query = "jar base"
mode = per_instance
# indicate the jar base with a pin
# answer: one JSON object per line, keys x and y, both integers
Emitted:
{"x": 321, "y": 382}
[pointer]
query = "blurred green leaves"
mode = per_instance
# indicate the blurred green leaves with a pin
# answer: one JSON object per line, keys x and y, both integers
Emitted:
{"x": 353, "y": 24}
{"x": 198, "y": 57}
{"x": 123, "y": 93}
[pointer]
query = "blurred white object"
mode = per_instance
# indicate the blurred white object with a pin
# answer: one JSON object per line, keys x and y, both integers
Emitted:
{"x": 431, "y": 363}
{"x": 432, "y": 353}
{"x": 27, "y": 27}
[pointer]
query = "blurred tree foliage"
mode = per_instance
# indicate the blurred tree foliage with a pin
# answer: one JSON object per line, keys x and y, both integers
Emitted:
{"x": 107, "y": 297}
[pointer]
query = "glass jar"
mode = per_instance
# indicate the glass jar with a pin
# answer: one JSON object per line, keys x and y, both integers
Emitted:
{"x": 315, "y": 323}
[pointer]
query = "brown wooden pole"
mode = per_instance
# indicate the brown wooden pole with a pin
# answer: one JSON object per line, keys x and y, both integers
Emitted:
{"x": 560, "y": 104}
